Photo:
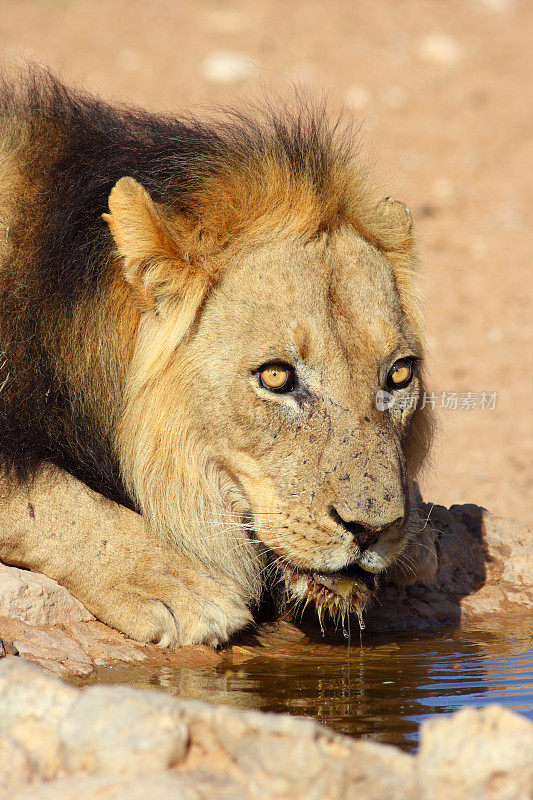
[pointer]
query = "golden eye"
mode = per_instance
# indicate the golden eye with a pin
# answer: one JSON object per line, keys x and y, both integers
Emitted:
{"x": 400, "y": 374}
{"x": 277, "y": 378}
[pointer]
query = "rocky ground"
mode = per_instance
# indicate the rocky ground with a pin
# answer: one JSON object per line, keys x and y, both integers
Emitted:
{"x": 117, "y": 743}
{"x": 62, "y": 743}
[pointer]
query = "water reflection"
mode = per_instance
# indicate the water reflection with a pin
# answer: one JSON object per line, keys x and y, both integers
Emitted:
{"x": 381, "y": 690}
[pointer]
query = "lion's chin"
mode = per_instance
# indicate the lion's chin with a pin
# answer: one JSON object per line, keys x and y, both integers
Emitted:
{"x": 336, "y": 594}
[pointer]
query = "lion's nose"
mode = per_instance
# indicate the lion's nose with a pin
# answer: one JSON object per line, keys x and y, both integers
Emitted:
{"x": 363, "y": 533}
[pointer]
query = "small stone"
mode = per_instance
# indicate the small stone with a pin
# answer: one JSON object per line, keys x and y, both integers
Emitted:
{"x": 7, "y": 649}
{"x": 226, "y": 67}
{"x": 53, "y": 645}
{"x": 439, "y": 49}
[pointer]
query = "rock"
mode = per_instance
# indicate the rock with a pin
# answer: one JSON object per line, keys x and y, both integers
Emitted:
{"x": 32, "y": 705}
{"x": 7, "y": 649}
{"x": 26, "y": 692}
{"x": 485, "y": 565}
{"x": 106, "y": 731}
{"x": 15, "y": 766}
{"x": 104, "y": 645}
{"x": 37, "y": 599}
{"x": 476, "y": 755}
{"x": 105, "y": 787}
{"x": 112, "y": 730}
{"x": 70, "y": 649}
{"x": 285, "y": 757}
{"x": 54, "y": 647}
{"x": 61, "y": 743}
{"x": 511, "y": 553}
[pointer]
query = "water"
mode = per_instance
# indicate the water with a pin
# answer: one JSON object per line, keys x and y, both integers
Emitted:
{"x": 381, "y": 689}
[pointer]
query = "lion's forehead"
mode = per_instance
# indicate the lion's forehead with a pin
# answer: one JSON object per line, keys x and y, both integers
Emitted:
{"x": 317, "y": 298}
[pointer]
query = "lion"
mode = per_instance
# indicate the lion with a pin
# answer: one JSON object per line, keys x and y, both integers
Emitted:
{"x": 196, "y": 320}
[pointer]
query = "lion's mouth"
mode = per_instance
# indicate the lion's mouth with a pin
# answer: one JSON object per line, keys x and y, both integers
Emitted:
{"x": 336, "y": 594}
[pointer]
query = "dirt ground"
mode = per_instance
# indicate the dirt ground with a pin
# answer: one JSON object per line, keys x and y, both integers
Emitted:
{"x": 442, "y": 89}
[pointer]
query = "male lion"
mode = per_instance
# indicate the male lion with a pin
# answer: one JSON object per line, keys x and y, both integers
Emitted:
{"x": 195, "y": 322}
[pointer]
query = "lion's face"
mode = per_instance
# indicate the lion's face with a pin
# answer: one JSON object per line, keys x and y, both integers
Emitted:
{"x": 290, "y": 350}
{"x": 251, "y": 426}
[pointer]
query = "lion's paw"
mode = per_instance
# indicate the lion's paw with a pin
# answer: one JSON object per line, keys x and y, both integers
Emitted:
{"x": 170, "y": 613}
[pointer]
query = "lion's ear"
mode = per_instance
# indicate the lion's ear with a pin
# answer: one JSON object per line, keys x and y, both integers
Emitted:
{"x": 397, "y": 212}
{"x": 157, "y": 271}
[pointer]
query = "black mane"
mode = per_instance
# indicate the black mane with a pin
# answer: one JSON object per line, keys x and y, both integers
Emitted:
{"x": 68, "y": 150}
{"x": 96, "y": 144}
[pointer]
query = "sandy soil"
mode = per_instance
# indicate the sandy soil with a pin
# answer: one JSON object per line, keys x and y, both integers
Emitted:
{"x": 441, "y": 89}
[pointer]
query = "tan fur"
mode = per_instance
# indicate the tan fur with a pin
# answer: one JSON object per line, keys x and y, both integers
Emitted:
{"x": 260, "y": 267}
{"x": 115, "y": 566}
{"x": 216, "y": 477}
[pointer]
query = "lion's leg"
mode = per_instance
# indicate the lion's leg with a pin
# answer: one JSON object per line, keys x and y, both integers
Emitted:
{"x": 115, "y": 564}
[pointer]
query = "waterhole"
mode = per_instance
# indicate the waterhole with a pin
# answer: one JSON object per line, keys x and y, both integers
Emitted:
{"x": 380, "y": 687}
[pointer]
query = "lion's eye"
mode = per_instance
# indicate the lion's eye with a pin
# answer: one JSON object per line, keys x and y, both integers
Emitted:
{"x": 277, "y": 378}
{"x": 400, "y": 374}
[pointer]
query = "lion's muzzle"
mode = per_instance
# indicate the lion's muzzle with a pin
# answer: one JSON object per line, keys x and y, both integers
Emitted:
{"x": 365, "y": 535}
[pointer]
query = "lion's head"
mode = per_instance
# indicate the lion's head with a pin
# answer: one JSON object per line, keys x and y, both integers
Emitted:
{"x": 274, "y": 304}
